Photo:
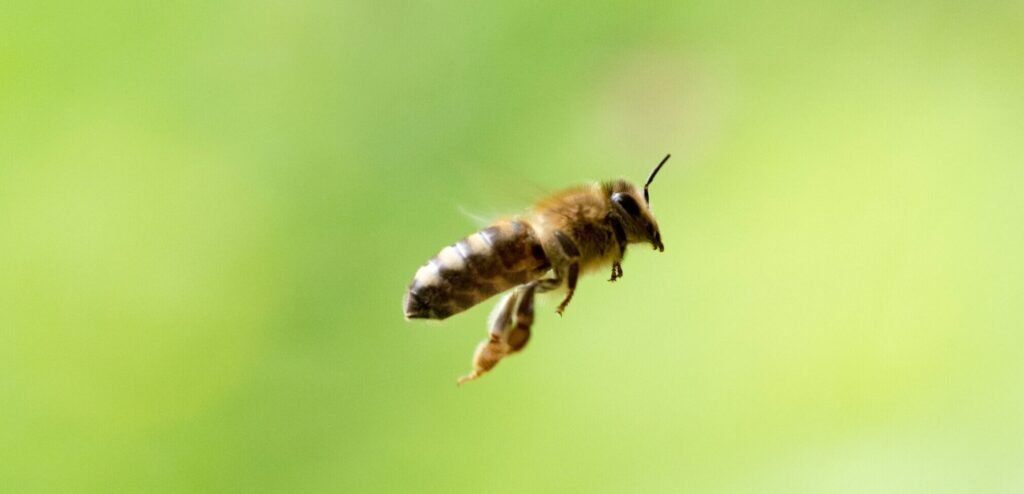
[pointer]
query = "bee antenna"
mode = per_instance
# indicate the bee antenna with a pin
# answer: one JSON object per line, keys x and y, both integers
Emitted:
{"x": 650, "y": 178}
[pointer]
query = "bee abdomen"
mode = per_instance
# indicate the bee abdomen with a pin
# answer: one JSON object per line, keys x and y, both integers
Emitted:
{"x": 474, "y": 269}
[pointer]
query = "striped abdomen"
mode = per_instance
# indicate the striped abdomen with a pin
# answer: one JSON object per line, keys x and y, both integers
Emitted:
{"x": 475, "y": 268}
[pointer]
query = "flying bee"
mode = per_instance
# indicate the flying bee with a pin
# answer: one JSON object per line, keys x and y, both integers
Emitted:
{"x": 579, "y": 230}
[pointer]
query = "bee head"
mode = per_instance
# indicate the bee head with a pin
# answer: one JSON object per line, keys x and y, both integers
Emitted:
{"x": 632, "y": 206}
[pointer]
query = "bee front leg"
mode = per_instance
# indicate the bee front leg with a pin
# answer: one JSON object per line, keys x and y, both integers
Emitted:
{"x": 508, "y": 334}
{"x": 616, "y": 271}
{"x": 620, "y": 239}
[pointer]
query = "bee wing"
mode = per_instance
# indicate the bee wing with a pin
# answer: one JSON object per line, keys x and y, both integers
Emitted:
{"x": 479, "y": 220}
{"x": 500, "y": 209}
{"x": 494, "y": 201}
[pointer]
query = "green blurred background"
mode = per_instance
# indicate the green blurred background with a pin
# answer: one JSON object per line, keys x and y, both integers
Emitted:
{"x": 210, "y": 212}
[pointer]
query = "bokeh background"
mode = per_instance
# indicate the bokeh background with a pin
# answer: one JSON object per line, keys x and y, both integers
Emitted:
{"x": 209, "y": 212}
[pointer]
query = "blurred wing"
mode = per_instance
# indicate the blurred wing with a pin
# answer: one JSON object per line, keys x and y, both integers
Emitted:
{"x": 494, "y": 194}
{"x": 480, "y": 221}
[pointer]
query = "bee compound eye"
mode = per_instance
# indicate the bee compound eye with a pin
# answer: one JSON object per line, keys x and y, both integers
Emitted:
{"x": 627, "y": 203}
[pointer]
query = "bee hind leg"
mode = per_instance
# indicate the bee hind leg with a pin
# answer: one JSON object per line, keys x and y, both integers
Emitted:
{"x": 490, "y": 351}
{"x": 509, "y": 331}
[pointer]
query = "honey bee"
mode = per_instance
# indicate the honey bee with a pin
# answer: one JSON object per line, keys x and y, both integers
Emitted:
{"x": 577, "y": 231}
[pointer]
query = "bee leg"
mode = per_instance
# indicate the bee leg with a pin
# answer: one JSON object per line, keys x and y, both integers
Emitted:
{"x": 572, "y": 255}
{"x": 520, "y": 333}
{"x": 616, "y": 271}
{"x": 546, "y": 285}
{"x": 570, "y": 280}
{"x": 620, "y": 239}
{"x": 490, "y": 351}
{"x": 507, "y": 335}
